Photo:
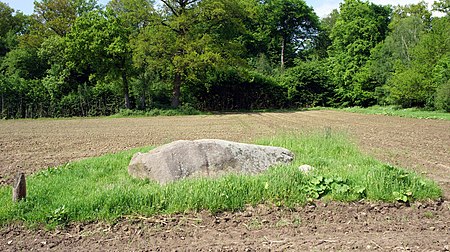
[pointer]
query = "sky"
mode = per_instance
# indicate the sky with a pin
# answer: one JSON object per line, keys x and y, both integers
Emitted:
{"x": 321, "y": 7}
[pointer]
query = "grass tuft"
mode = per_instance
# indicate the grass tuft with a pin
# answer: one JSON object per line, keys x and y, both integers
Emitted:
{"x": 101, "y": 189}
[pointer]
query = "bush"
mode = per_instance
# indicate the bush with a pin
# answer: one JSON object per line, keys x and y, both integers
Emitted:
{"x": 441, "y": 76}
{"x": 185, "y": 109}
{"x": 237, "y": 89}
{"x": 408, "y": 89}
{"x": 70, "y": 105}
{"x": 442, "y": 100}
{"x": 307, "y": 84}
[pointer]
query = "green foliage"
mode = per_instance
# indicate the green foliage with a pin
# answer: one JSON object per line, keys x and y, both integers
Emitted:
{"x": 441, "y": 77}
{"x": 409, "y": 66}
{"x": 101, "y": 189}
{"x": 359, "y": 27}
{"x": 442, "y": 101}
{"x": 100, "y": 42}
{"x": 308, "y": 84}
{"x": 407, "y": 88}
{"x": 442, "y": 6}
{"x": 404, "y": 197}
{"x": 319, "y": 186}
{"x": 185, "y": 109}
{"x": 58, "y": 16}
{"x": 415, "y": 82}
{"x": 323, "y": 42}
{"x": 291, "y": 25}
{"x": 11, "y": 26}
{"x": 395, "y": 52}
{"x": 77, "y": 58}
{"x": 402, "y": 112}
{"x": 237, "y": 88}
{"x": 59, "y": 217}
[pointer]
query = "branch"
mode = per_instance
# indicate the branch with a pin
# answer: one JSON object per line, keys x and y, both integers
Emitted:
{"x": 172, "y": 9}
{"x": 173, "y": 29}
{"x": 190, "y": 2}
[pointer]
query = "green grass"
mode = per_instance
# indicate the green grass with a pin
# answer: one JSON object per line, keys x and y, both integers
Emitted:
{"x": 101, "y": 189}
{"x": 184, "y": 110}
{"x": 394, "y": 111}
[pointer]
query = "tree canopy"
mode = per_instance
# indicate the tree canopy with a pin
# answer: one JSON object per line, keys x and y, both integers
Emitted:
{"x": 79, "y": 58}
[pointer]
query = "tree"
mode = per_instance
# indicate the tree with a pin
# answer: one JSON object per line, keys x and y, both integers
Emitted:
{"x": 442, "y": 6}
{"x": 323, "y": 39}
{"x": 133, "y": 16}
{"x": 12, "y": 25}
{"x": 428, "y": 55}
{"x": 180, "y": 19}
{"x": 395, "y": 50}
{"x": 191, "y": 38}
{"x": 307, "y": 84}
{"x": 98, "y": 44}
{"x": 291, "y": 25}
{"x": 408, "y": 57}
{"x": 441, "y": 78}
{"x": 394, "y": 54}
{"x": 58, "y": 16}
{"x": 419, "y": 10}
{"x": 358, "y": 29}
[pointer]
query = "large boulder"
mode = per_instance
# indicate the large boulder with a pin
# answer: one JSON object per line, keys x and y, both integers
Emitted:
{"x": 207, "y": 157}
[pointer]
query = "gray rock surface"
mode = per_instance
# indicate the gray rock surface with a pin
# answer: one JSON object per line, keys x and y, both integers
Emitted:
{"x": 207, "y": 157}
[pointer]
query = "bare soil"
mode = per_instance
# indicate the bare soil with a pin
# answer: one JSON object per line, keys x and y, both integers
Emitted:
{"x": 417, "y": 144}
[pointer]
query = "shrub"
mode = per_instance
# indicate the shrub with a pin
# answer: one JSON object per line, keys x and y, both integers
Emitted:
{"x": 442, "y": 100}
{"x": 307, "y": 84}
{"x": 408, "y": 89}
{"x": 237, "y": 89}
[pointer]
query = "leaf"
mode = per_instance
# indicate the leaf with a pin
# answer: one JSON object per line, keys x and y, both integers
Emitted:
{"x": 360, "y": 190}
{"x": 341, "y": 188}
{"x": 339, "y": 180}
{"x": 314, "y": 195}
{"x": 328, "y": 181}
{"x": 317, "y": 180}
{"x": 403, "y": 196}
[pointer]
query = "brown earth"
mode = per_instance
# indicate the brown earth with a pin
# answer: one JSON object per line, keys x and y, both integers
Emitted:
{"x": 420, "y": 145}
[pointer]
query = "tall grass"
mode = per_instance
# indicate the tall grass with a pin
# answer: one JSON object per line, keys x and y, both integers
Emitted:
{"x": 101, "y": 189}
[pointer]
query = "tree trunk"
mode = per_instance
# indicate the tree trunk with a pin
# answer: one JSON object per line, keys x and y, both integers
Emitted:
{"x": 80, "y": 96}
{"x": 22, "y": 107}
{"x": 283, "y": 44}
{"x": 19, "y": 187}
{"x": 3, "y": 107}
{"x": 143, "y": 97}
{"x": 176, "y": 92}
{"x": 142, "y": 102}
{"x": 126, "y": 92}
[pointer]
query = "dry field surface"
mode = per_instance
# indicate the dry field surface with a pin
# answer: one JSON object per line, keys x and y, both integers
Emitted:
{"x": 420, "y": 145}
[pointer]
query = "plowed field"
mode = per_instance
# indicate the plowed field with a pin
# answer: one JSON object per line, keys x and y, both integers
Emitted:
{"x": 420, "y": 145}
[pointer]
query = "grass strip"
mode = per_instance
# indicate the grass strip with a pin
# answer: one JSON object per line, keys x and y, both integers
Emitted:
{"x": 101, "y": 189}
{"x": 157, "y": 112}
{"x": 395, "y": 111}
